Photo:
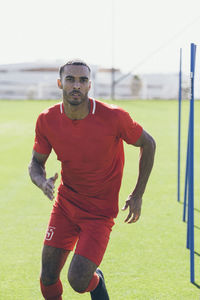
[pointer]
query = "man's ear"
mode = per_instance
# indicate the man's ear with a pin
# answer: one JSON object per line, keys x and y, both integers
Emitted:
{"x": 59, "y": 83}
{"x": 90, "y": 84}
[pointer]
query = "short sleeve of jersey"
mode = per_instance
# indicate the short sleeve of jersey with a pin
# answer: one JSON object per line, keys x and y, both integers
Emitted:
{"x": 129, "y": 130}
{"x": 41, "y": 144}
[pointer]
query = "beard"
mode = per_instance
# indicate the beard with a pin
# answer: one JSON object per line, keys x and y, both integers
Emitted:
{"x": 75, "y": 97}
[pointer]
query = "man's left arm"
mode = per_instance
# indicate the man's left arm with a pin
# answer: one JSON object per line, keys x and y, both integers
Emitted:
{"x": 134, "y": 202}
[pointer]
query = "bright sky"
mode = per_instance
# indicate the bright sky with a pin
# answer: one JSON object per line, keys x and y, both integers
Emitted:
{"x": 33, "y": 30}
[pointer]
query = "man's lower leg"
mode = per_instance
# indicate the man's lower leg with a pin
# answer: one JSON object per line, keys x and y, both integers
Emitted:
{"x": 100, "y": 292}
{"x": 52, "y": 292}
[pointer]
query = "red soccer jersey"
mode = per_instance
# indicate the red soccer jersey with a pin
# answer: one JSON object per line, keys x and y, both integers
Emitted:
{"x": 91, "y": 153}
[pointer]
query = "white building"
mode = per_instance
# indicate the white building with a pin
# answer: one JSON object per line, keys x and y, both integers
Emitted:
{"x": 163, "y": 86}
{"x": 145, "y": 86}
{"x": 39, "y": 81}
{"x": 29, "y": 81}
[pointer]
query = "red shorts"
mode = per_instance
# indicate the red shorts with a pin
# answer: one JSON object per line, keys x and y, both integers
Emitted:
{"x": 69, "y": 225}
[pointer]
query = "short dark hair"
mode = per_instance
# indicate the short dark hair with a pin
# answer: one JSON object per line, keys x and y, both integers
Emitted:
{"x": 74, "y": 62}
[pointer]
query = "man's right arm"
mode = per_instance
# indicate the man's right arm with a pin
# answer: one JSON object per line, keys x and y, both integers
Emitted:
{"x": 38, "y": 174}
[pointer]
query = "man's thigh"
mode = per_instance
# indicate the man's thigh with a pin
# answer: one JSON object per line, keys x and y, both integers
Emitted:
{"x": 61, "y": 232}
{"x": 53, "y": 260}
{"x": 80, "y": 273}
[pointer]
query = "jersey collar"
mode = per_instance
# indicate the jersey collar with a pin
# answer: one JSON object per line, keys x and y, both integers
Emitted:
{"x": 93, "y": 106}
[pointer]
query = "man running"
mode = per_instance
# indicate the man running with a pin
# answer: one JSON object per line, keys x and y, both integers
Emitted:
{"x": 87, "y": 136}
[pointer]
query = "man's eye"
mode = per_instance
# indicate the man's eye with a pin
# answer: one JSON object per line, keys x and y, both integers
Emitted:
{"x": 83, "y": 80}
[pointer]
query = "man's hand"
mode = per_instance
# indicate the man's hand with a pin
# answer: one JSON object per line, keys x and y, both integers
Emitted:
{"x": 38, "y": 174}
{"x": 134, "y": 203}
{"x": 48, "y": 186}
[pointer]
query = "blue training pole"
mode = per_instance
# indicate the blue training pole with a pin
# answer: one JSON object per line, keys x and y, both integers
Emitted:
{"x": 179, "y": 124}
{"x": 191, "y": 167}
{"x": 186, "y": 178}
{"x": 187, "y": 191}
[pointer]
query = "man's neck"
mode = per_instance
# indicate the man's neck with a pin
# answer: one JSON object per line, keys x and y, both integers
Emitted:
{"x": 77, "y": 112}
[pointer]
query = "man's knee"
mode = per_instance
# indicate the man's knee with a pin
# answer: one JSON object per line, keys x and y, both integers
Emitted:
{"x": 48, "y": 279}
{"x": 78, "y": 282}
{"x": 80, "y": 273}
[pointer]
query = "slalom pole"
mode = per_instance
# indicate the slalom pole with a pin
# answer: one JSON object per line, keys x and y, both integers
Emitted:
{"x": 186, "y": 177}
{"x": 179, "y": 124}
{"x": 187, "y": 184}
{"x": 191, "y": 168}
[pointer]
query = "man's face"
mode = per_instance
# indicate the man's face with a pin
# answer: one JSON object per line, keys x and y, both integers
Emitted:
{"x": 75, "y": 83}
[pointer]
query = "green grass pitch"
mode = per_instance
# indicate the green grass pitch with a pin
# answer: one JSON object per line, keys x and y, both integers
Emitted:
{"x": 144, "y": 261}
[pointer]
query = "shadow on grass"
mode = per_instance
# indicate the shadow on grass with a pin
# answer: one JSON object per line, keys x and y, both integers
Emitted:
{"x": 196, "y": 209}
{"x": 197, "y": 285}
{"x": 195, "y": 252}
{"x": 195, "y": 226}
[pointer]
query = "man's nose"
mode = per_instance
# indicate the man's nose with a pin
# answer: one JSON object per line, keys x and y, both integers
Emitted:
{"x": 76, "y": 85}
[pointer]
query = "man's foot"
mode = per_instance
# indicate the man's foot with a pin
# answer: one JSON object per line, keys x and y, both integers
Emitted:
{"x": 100, "y": 293}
